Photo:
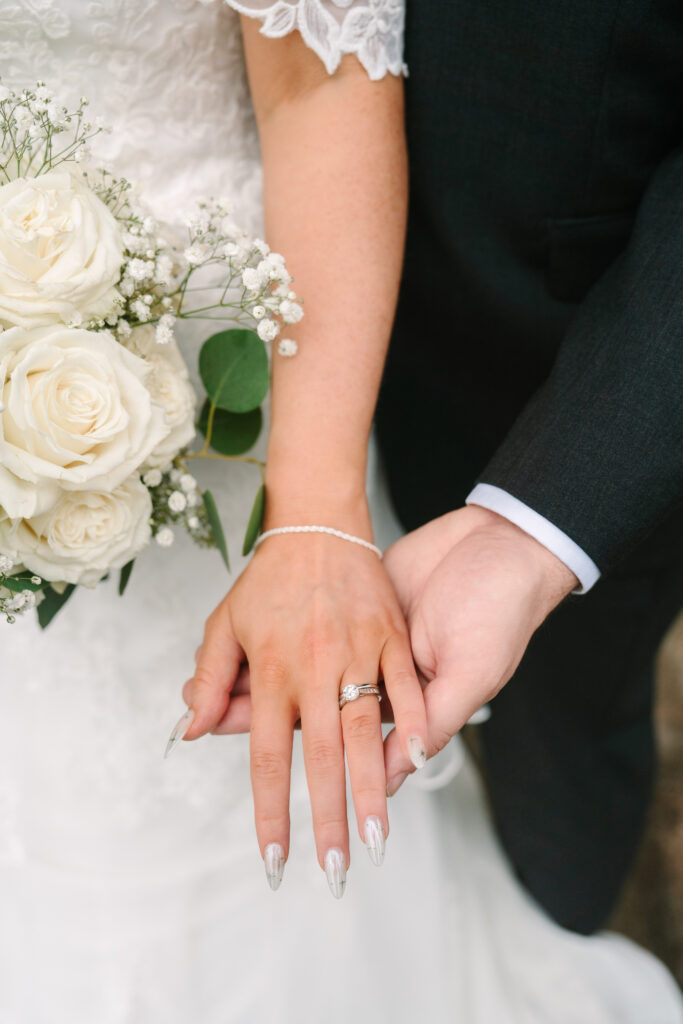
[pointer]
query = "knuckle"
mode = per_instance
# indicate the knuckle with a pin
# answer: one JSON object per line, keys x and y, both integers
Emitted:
{"x": 364, "y": 726}
{"x": 203, "y": 680}
{"x": 322, "y": 756}
{"x": 267, "y": 766}
{"x": 271, "y": 673}
{"x": 370, "y": 794}
{"x": 275, "y": 824}
{"x": 402, "y": 679}
{"x": 328, "y": 823}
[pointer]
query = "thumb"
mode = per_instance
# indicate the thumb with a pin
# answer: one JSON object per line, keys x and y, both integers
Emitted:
{"x": 449, "y": 706}
{"x": 218, "y": 666}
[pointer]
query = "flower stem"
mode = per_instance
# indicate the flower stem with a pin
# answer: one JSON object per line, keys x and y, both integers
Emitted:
{"x": 209, "y": 428}
{"x": 228, "y": 458}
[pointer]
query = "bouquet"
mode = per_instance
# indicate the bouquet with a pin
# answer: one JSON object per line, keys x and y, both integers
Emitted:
{"x": 97, "y": 411}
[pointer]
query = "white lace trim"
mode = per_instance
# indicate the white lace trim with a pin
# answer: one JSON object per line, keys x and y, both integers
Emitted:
{"x": 370, "y": 29}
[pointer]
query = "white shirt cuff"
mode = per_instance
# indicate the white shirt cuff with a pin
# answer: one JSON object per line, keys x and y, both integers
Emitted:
{"x": 562, "y": 546}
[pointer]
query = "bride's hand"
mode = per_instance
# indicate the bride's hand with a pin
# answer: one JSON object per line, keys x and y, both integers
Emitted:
{"x": 311, "y": 614}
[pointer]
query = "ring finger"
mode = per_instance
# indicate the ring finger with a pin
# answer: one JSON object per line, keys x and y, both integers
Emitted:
{"x": 362, "y": 731}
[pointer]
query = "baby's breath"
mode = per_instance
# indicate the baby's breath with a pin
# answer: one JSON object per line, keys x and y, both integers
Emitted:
{"x": 19, "y": 590}
{"x": 252, "y": 280}
{"x": 177, "y": 501}
{"x": 37, "y": 133}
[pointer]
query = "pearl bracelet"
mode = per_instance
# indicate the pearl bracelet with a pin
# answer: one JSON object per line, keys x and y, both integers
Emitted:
{"x": 320, "y": 529}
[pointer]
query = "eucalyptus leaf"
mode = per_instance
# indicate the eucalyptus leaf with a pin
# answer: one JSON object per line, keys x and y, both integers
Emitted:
{"x": 255, "y": 520}
{"x": 17, "y": 584}
{"x": 216, "y": 527}
{"x": 234, "y": 369}
{"x": 232, "y": 433}
{"x": 52, "y": 603}
{"x": 125, "y": 576}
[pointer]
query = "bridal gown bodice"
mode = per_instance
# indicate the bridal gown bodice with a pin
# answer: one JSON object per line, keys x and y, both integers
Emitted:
{"x": 131, "y": 889}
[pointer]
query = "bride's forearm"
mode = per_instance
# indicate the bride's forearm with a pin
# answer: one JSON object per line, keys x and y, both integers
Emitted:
{"x": 335, "y": 205}
{"x": 311, "y": 615}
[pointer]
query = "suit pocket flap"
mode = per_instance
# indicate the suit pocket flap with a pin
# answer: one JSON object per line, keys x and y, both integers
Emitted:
{"x": 580, "y": 249}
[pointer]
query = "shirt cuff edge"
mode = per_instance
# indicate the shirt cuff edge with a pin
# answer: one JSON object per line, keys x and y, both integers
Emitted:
{"x": 541, "y": 529}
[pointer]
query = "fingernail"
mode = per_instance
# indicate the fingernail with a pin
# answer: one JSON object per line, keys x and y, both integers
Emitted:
{"x": 374, "y": 839}
{"x": 394, "y": 784}
{"x": 179, "y": 730}
{"x": 335, "y": 869}
{"x": 416, "y": 751}
{"x": 274, "y": 861}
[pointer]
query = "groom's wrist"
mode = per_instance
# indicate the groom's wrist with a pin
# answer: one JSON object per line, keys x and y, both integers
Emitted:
{"x": 546, "y": 575}
{"x": 577, "y": 560}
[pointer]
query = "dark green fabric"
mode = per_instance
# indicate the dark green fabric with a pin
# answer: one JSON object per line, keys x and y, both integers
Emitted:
{"x": 539, "y": 347}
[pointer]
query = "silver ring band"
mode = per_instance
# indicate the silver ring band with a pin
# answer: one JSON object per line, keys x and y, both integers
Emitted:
{"x": 353, "y": 692}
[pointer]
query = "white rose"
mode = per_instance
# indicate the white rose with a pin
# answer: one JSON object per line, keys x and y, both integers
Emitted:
{"x": 77, "y": 415}
{"x": 60, "y": 251}
{"x": 170, "y": 387}
{"x": 83, "y": 536}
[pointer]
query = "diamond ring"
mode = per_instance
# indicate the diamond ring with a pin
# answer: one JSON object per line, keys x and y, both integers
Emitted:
{"x": 353, "y": 692}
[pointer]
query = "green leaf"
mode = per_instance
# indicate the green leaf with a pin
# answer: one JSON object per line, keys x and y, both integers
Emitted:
{"x": 125, "y": 576}
{"x": 18, "y": 583}
{"x": 232, "y": 433}
{"x": 216, "y": 527}
{"x": 52, "y": 603}
{"x": 255, "y": 520}
{"x": 234, "y": 369}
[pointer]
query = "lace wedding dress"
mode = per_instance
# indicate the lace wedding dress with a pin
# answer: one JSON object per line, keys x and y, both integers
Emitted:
{"x": 131, "y": 889}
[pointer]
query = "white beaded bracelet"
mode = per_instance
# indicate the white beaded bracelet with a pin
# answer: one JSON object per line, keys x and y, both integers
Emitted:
{"x": 320, "y": 529}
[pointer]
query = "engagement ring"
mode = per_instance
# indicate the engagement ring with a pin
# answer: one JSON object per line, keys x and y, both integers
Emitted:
{"x": 353, "y": 692}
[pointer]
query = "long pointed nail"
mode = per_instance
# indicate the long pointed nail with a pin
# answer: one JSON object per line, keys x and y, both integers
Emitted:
{"x": 335, "y": 869}
{"x": 416, "y": 751}
{"x": 374, "y": 839}
{"x": 393, "y": 785}
{"x": 179, "y": 730}
{"x": 274, "y": 861}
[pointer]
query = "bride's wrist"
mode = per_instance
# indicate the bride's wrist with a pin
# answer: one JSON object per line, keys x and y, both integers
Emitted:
{"x": 313, "y": 502}
{"x": 321, "y": 483}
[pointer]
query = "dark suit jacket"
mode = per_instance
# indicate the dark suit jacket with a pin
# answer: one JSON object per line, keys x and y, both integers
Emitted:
{"x": 539, "y": 347}
{"x": 539, "y": 340}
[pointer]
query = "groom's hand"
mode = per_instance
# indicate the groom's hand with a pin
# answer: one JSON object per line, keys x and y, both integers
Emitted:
{"x": 474, "y": 588}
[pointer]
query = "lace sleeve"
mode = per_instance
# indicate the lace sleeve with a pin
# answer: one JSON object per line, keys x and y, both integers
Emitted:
{"x": 370, "y": 29}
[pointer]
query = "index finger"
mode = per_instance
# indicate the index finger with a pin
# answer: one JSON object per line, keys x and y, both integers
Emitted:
{"x": 449, "y": 705}
{"x": 218, "y": 666}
